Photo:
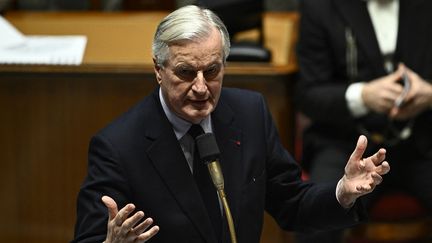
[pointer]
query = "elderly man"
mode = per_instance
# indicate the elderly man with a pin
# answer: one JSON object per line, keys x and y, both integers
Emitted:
{"x": 142, "y": 165}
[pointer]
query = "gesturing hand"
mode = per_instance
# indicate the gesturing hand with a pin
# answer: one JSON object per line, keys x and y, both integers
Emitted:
{"x": 362, "y": 175}
{"x": 122, "y": 228}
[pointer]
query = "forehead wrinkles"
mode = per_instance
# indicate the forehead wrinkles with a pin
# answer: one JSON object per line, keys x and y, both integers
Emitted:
{"x": 194, "y": 55}
{"x": 198, "y": 52}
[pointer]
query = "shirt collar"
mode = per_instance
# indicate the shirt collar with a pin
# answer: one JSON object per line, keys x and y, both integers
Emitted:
{"x": 180, "y": 125}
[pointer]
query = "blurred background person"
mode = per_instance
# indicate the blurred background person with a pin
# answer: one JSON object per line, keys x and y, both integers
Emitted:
{"x": 351, "y": 82}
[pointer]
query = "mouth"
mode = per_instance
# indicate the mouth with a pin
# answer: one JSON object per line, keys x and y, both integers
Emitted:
{"x": 199, "y": 103}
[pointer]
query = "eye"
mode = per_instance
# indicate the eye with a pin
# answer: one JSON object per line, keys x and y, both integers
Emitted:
{"x": 185, "y": 73}
{"x": 211, "y": 72}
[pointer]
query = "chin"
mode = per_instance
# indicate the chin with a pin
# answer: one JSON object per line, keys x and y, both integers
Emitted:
{"x": 194, "y": 113}
{"x": 197, "y": 117}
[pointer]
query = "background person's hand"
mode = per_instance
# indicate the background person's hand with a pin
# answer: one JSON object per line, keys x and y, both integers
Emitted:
{"x": 362, "y": 175}
{"x": 418, "y": 99}
{"x": 379, "y": 95}
{"x": 122, "y": 228}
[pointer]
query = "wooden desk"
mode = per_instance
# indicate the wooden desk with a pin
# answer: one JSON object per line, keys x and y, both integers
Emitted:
{"x": 121, "y": 42}
{"x": 50, "y": 112}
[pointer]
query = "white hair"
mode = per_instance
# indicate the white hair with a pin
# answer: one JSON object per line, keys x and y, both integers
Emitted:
{"x": 188, "y": 23}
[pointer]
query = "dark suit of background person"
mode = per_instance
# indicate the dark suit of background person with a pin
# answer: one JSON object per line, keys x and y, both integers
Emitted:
{"x": 323, "y": 54}
{"x": 138, "y": 158}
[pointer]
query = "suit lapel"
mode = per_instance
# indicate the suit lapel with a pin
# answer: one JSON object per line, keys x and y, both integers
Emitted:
{"x": 167, "y": 157}
{"x": 356, "y": 16}
{"x": 228, "y": 138}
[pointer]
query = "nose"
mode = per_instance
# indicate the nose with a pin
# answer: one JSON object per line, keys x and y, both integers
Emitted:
{"x": 200, "y": 85}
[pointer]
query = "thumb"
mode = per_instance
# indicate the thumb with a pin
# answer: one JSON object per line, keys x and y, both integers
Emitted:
{"x": 397, "y": 75}
{"x": 401, "y": 66}
{"x": 111, "y": 205}
{"x": 360, "y": 148}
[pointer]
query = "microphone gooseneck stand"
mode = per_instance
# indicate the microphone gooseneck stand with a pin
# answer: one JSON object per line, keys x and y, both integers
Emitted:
{"x": 218, "y": 181}
{"x": 209, "y": 154}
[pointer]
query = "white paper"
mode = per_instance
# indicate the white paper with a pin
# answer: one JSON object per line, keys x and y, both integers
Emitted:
{"x": 16, "y": 48}
{"x": 9, "y": 35}
{"x": 58, "y": 50}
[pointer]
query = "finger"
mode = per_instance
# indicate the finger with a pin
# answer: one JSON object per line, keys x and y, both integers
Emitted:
{"x": 379, "y": 156}
{"x": 364, "y": 188}
{"x": 148, "y": 234}
{"x": 111, "y": 205}
{"x": 129, "y": 223}
{"x": 377, "y": 179}
{"x": 359, "y": 149}
{"x": 395, "y": 76}
{"x": 139, "y": 229}
{"x": 400, "y": 70}
{"x": 383, "y": 169}
{"x": 124, "y": 213}
{"x": 361, "y": 165}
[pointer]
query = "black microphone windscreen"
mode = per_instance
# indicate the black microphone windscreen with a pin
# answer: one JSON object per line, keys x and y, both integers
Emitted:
{"x": 207, "y": 147}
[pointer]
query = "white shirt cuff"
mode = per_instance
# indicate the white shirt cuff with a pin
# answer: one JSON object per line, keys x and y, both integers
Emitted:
{"x": 355, "y": 101}
{"x": 338, "y": 195}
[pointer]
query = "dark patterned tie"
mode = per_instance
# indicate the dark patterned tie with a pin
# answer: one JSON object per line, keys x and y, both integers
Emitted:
{"x": 205, "y": 185}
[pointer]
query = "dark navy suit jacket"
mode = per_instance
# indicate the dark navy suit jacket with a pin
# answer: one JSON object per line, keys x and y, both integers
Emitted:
{"x": 137, "y": 159}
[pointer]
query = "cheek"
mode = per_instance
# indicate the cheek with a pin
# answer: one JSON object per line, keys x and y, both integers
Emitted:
{"x": 215, "y": 89}
{"x": 175, "y": 88}
{"x": 177, "y": 93}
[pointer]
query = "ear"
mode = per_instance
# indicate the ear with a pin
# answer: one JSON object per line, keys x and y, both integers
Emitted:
{"x": 157, "y": 70}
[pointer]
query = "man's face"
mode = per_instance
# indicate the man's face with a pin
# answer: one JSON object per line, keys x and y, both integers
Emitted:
{"x": 191, "y": 79}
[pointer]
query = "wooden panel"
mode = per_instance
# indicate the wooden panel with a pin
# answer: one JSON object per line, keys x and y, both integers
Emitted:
{"x": 281, "y": 32}
{"x": 121, "y": 42}
{"x": 45, "y": 126}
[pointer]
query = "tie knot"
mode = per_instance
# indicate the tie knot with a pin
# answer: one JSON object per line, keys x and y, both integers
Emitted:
{"x": 195, "y": 130}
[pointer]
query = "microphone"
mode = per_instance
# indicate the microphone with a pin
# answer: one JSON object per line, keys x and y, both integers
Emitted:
{"x": 209, "y": 154}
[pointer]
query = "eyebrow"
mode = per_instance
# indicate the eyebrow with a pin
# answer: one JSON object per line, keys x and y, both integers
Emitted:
{"x": 188, "y": 65}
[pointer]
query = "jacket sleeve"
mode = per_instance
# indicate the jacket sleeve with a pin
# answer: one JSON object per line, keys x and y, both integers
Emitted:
{"x": 105, "y": 177}
{"x": 295, "y": 204}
